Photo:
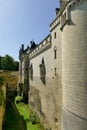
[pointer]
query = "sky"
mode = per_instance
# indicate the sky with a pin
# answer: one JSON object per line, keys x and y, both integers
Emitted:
{"x": 22, "y": 21}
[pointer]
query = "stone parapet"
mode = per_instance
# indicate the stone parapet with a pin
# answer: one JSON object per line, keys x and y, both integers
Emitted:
{"x": 55, "y": 23}
{"x": 65, "y": 17}
{"x": 43, "y": 46}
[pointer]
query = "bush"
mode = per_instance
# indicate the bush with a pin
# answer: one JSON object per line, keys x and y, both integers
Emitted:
{"x": 1, "y": 80}
{"x": 34, "y": 118}
{"x": 18, "y": 99}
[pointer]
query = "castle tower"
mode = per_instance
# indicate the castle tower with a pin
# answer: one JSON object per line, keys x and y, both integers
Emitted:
{"x": 74, "y": 66}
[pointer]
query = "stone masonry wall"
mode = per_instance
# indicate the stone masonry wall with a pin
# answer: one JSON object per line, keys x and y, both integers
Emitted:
{"x": 49, "y": 94}
{"x": 74, "y": 69}
{"x": 65, "y": 75}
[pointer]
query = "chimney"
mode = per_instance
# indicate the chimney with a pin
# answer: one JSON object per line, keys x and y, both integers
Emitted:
{"x": 22, "y": 46}
{"x": 57, "y": 11}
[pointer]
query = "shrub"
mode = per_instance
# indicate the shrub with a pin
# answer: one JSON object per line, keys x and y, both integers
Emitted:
{"x": 1, "y": 80}
{"x": 34, "y": 118}
{"x": 18, "y": 99}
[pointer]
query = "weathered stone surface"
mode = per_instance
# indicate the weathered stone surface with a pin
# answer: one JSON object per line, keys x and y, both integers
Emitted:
{"x": 74, "y": 69}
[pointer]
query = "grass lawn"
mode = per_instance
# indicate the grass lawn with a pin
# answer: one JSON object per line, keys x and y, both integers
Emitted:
{"x": 11, "y": 120}
{"x": 25, "y": 111}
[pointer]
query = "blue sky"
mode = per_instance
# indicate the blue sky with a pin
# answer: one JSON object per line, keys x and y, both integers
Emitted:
{"x": 22, "y": 21}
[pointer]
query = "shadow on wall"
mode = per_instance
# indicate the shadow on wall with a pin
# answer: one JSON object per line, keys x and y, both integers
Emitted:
{"x": 43, "y": 71}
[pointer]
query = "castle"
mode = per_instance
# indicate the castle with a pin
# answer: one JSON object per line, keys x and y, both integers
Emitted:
{"x": 54, "y": 72}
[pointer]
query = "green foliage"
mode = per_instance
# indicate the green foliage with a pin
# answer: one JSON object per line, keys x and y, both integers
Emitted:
{"x": 11, "y": 120}
{"x": 8, "y": 63}
{"x": 0, "y": 62}
{"x": 34, "y": 118}
{"x": 29, "y": 116}
{"x": 1, "y": 80}
{"x": 18, "y": 99}
{"x": 16, "y": 65}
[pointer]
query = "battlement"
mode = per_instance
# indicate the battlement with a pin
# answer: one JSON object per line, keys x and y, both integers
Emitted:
{"x": 65, "y": 11}
{"x": 63, "y": 17}
{"x": 55, "y": 23}
{"x": 43, "y": 46}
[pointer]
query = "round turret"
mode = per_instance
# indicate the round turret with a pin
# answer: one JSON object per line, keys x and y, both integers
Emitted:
{"x": 74, "y": 67}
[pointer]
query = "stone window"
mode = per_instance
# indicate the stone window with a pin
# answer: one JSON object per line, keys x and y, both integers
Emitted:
{"x": 42, "y": 71}
{"x": 55, "y": 73}
{"x": 55, "y": 35}
{"x": 55, "y": 52}
{"x": 56, "y": 120}
{"x": 31, "y": 72}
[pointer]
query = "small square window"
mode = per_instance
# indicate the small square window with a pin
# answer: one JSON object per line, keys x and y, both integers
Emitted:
{"x": 55, "y": 71}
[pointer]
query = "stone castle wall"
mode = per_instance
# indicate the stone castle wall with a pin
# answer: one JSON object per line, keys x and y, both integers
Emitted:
{"x": 74, "y": 69}
{"x": 49, "y": 94}
{"x": 57, "y": 84}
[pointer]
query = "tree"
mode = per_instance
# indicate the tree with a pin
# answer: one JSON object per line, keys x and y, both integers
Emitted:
{"x": 7, "y": 63}
{"x": 16, "y": 65}
{"x": 0, "y": 62}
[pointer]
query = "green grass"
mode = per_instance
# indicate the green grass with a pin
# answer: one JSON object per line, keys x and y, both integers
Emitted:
{"x": 11, "y": 121}
{"x": 25, "y": 111}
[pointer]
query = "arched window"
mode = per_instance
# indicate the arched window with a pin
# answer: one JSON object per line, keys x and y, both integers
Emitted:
{"x": 55, "y": 52}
